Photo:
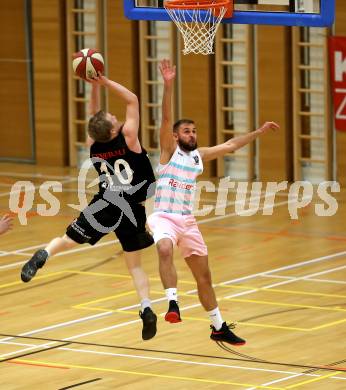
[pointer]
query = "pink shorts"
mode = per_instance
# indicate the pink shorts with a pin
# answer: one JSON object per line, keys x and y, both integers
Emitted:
{"x": 182, "y": 230}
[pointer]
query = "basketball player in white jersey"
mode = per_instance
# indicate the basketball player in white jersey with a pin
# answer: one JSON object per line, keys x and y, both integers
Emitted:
{"x": 172, "y": 221}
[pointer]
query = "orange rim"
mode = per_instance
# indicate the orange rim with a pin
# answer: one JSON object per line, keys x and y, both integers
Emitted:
{"x": 193, "y": 4}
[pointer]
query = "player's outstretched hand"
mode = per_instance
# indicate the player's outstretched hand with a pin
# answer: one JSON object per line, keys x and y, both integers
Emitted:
{"x": 268, "y": 126}
{"x": 100, "y": 79}
{"x": 5, "y": 223}
{"x": 167, "y": 70}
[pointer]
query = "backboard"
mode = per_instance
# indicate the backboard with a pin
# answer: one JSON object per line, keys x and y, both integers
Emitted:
{"x": 311, "y": 13}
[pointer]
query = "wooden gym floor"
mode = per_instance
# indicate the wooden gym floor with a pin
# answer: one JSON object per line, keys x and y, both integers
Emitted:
{"x": 76, "y": 324}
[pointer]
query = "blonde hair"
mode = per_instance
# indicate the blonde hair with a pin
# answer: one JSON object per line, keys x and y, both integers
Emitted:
{"x": 99, "y": 127}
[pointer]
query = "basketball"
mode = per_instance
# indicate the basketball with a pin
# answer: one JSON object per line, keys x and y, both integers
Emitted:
{"x": 87, "y": 63}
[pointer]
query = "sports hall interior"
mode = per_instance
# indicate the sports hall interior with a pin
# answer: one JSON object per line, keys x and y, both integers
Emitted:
{"x": 282, "y": 279}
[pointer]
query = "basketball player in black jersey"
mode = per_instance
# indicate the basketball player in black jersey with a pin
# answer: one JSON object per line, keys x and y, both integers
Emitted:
{"x": 126, "y": 179}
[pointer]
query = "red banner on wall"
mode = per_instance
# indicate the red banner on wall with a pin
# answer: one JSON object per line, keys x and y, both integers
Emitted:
{"x": 337, "y": 53}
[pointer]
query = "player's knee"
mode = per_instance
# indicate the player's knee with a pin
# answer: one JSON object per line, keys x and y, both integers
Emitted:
{"x": 165, "y": 250}
{"x": 135, "y": 269}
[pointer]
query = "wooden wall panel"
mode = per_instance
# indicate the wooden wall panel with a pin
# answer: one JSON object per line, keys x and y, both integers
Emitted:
{"x": 48, "y": 26}
{"x": 122, "y": 53}
{"x": 16, "y": 137}
{"x": 198, "y": 100}
{"x": 340, "y": 30}
{"x": 275, "y": 102}
{"x": 13, "y": 29}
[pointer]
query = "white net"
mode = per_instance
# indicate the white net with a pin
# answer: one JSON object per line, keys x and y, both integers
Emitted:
{"x": 198, "y": 27}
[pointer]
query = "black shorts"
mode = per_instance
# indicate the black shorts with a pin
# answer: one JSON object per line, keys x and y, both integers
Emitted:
{"x": 129, "y": 226}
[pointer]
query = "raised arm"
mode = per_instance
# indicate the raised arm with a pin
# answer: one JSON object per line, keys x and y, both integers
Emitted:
{"x": 167, "y": 142}
{"x": 234, "y": 144}
{"x": 131, "y": 125}
{"x": 94, "y": 105}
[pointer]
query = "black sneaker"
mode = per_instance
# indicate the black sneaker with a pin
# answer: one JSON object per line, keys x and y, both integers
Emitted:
{"x": 226, "y": 335}
{"x": 149, "y": 323}
{"x": 30, "y": 268}
{"x": 173, "y": 314}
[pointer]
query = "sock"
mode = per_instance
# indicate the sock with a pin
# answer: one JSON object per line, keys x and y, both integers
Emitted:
{"x": 145, "y": 303}
{"x": 215, "y": 318}
{"x": 171, "y": 294}
{"x": 47, "y": 252}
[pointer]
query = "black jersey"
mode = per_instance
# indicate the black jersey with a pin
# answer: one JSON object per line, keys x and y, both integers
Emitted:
{"x": 121, "y": 170}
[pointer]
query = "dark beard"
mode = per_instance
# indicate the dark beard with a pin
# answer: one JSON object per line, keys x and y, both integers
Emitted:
{"x": 187, "y": 147}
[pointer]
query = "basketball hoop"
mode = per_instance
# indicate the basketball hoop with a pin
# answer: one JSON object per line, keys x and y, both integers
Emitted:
{"x": 198, "y": 21}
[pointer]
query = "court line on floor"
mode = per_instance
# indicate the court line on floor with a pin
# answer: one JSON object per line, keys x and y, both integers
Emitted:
{"x": 280, "y": 291}
{"x": 22, "y": 363}
{"x": 188, "y": 362}
{"x": 227, "y": 282}
{"x": 276, "y": 381}
{"x": 297, "y": 278}
{"x": 312, "y": 380}
{"x": 291, "y": 280}
{"x": 80, "y": 384}
{"x": 307, "y": 279}
{"x": 326, "y": 281}
{"x": 85, "y": 305}
{"x": 17, "y": 254}
{"x": 75, "y": 250}
{"x": 23, "y": 249}
{"x": 61, "y": 324}
{"x": 37, "y": 175}
{"x": 3, "y": 194}
{"x": 147, "y": 374}
{"x": 4, "y": 341}
{"x": 100, "y": 315}
{"x": 46, "y": 347}
{"x": 288, "y": 267}
{"x": 274, "y": 284}
{"x": 20, "y": 344}
{"x": 308, "y": 373}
